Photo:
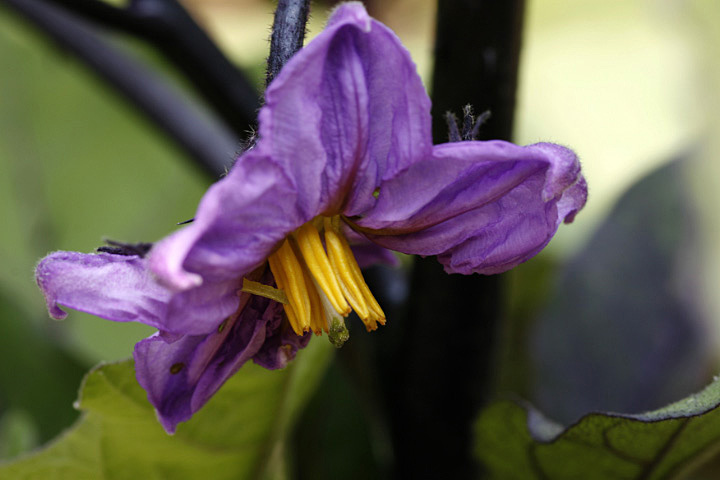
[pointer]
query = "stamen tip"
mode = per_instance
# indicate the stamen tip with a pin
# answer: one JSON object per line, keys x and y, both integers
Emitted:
{"x": 370, "y": 324}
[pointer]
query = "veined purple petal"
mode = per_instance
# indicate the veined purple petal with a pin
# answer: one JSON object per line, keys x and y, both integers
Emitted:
{"x": 345, "y": 113}
{"x": 115, "y": 287}
{"x": 180, "y": 377}
{"x": 482, "y": 207}
{"x": 238, "y": 223}
{"x": 200, "y": 310}
{"x": 122, "y": 289}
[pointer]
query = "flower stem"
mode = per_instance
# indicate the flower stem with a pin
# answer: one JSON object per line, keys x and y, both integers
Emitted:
{"x": 288, "y": 34}
{"x": 487, "y": 79}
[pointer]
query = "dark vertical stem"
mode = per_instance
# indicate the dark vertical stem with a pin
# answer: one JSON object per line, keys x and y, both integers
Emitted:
{"x": 476, "y": 61}
{"x": 442, "y": 365}
{"x": 288, "y": 34}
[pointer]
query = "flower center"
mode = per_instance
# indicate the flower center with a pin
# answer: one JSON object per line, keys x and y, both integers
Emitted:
{"x": 321, "y": 282}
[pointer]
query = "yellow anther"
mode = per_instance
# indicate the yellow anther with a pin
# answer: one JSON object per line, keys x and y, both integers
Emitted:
{"x": 318, "y": 323}
{"x": 308, "y": 240}
{"x": 317, "y": 283}
{"x": 288, "y": 273}
{"x": 367, "y": 294}
{"x": 279, "y": 275}
{"x": 348, "y": 270}
{"x": 293, "y": 320}
{"x": 341, "y": 266}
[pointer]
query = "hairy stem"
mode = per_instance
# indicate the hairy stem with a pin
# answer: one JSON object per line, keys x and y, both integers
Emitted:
{"x": 288, "y": 34}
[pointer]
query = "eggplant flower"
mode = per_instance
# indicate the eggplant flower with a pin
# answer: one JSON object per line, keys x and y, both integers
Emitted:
{"x": 343, "y": 170}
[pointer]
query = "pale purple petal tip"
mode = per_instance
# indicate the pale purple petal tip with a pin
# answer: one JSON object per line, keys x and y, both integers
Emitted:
{"x": 573, "y": 199}
{"x": 351, "y": 13}
{"x": 115, "y": 287}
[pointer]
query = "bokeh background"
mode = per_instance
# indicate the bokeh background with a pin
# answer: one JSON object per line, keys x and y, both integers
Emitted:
{"x": 619, "y": 313}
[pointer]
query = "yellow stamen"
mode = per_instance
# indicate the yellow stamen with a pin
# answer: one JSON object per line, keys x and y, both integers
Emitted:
{"x": 362, "y": 285}
{"x": 293, "y": 320}
{"x": 285, "y": 265}
{"x": 308, "y": 239}
{"x": 318, "y": 284}
{"x": 279, "y": 275}
{"x": 348, "y": 270}
{"x": 317, "y": 320}
{"x": 341, "y": 266}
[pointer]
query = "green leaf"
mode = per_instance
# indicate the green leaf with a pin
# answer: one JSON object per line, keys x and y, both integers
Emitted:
{"x": 18, "y": 433}
{"x": 38, "y": 381}
{"x": 239, "y": 434}
{"x": 519, "y": 443}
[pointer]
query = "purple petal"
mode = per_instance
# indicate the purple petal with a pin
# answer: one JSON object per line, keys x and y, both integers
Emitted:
{"x": 572, "y": 200}
{"x": 200, "y": 310}
{"x": 345, "y": 113}
{"x": 180, "y": 377}
{"x": 368, "y": 253}
{"x": 482, "y": 207}
{"x": 122, "y": 289}
{"x": 281, "y": 344}
{"x": 115, "y": 287}
{"x": 238, "y": 223}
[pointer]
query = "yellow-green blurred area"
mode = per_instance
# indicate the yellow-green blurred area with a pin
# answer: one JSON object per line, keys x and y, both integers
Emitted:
{"x": 630, "y": 85}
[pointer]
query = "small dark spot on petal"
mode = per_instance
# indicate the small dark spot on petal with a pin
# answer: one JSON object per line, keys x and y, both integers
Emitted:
{"x": 176, "y": 368}
{"x": 376, "y": 193}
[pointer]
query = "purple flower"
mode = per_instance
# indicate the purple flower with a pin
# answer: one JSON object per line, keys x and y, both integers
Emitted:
{"x": 344, "y": 157}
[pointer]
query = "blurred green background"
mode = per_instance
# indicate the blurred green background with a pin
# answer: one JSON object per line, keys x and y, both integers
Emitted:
{"x": 619, "y": 313}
